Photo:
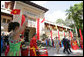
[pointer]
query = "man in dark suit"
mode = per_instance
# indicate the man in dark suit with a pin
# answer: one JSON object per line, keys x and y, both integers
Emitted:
{"x": 66, "y": 45}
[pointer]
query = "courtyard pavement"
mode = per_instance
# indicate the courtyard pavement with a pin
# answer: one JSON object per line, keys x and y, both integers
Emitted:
{"x": 52, "y": 52}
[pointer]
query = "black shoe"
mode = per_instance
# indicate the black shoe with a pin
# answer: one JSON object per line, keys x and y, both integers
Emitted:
{"x": 71, "y": 52}
{"x": 68, "y": 53}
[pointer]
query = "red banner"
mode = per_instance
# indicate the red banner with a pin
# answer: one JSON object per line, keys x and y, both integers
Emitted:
{"x": 71, "y": 39}
{"x": 22, "y": 21}
{"x": 38, "y": 25}
{"x": 68, "y": 34}
{"x": 80, "y": 34}
{"x": 42, "y": 20}
{"x": 81, "y": 41}
{"x": 64, "y": 33}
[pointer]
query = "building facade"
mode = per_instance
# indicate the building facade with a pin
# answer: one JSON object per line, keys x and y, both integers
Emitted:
{"x": 6, "y": 17}
{"x": 55, "y": 27}
{"x": 32, "y": 10}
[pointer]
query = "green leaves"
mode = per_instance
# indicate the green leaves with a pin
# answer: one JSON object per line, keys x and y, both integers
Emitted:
{"x": 76, "y": 14}
{"x": 60, "y": 21}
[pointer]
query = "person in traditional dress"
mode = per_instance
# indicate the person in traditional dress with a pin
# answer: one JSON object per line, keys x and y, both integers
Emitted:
{"x": 57, "y": 44}
{"x": 33, "y": 46}
{"x": 75, "y": 45}
{"x": 14, "y": 38}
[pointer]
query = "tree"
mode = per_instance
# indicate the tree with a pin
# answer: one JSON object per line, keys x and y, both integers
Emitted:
{"x": 65, "y": 22}
{"x": 75, "y": 13}
{"x": 60, "y": 21}
{"x": 69, "y": 22}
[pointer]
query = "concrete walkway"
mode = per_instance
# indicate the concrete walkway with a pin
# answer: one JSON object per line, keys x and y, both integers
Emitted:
{"x": 52, "y": 52}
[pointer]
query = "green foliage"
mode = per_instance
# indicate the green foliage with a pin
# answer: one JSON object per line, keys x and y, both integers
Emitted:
{"x": 74, "y": 17}
{"x": 60, "y": 21}
{"x": 76, "y": 14}
{"x": 65, "y": 22}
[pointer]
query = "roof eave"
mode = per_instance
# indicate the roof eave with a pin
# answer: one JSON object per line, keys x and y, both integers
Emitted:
{"x": 35, "y": 5}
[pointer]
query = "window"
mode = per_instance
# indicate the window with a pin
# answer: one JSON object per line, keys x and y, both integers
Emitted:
{"x": 4, "y": 20}
{"x": 8, "y": 21}
{"x": 2, "y": 5}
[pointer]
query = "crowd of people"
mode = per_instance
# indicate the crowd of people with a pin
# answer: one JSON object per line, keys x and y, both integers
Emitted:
{"x": 56, "y": 43}
{"x": 4, "y": 42}
{"x": 14, "y": 37}
{"x": 14, "y": 40}
{"x": 65, "y": 42}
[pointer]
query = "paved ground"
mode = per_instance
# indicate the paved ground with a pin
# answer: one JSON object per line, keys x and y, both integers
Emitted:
{"x": 52, "y": 52}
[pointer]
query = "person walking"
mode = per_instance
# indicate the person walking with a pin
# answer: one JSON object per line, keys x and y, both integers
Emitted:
{"x": 55, "y": 42}
{"x": 57, "y": 45}
{"x": 52, "y": 42}
{"x": 64, "y": 40}
{"x": 3, "y": 42}
{"x": 49, "y": 42}
{"x": 68, "y": 43}
{"x": 46, "y": 41}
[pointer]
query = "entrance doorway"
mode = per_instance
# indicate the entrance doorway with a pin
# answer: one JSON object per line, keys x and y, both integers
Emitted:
{"x": 26, "y": 35}
{"x": 29, "y": 31}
